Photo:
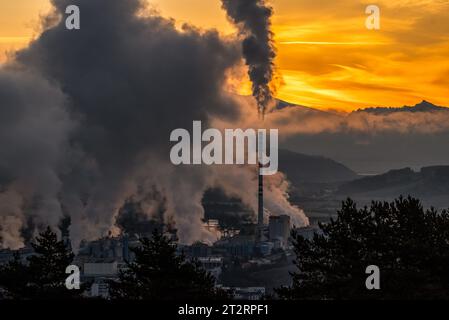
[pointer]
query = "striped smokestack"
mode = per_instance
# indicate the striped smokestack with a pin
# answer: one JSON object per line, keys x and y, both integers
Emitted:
{"x": 260, "y": 153}
{"x": 260, "y": 200}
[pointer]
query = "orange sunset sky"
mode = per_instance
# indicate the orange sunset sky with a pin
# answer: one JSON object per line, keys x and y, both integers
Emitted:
{"x": 326, "y": 56}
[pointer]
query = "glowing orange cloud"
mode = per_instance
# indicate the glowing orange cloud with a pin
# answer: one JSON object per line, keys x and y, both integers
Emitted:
{"x": 326, "y": 56}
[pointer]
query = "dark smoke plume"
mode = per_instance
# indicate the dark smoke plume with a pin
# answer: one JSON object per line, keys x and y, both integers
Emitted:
{"x": 86, "y": 116}
{"x": 87, "y": 123}
{"x": 253, "y": 19}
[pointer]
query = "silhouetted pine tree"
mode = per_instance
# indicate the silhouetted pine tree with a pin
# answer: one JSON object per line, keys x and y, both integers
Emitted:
{"x": 14, "y": 278}
{"x": 159, "y": 273}
{"x": 43, "y": 275}
{"x": 408, "y": 244}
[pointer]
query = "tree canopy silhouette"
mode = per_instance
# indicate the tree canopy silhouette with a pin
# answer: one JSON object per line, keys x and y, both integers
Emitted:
{"x": 410, "y": 246}
{"x": 159, "y": 273}
{"x": 42, "y": 275}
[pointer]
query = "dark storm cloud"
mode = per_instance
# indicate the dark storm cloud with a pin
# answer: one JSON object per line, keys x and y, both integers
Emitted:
{"x": 253, "y": 19}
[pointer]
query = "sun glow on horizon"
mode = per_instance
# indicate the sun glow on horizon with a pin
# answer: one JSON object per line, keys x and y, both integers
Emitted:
{"x": 326, "y": 57}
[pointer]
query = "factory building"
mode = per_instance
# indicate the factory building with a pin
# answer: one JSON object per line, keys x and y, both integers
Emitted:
{"x": 279, "y": 229}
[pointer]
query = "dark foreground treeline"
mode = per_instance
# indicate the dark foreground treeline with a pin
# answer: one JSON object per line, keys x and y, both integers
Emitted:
{"x": 158, "y": 273}
{"x": 409, "y": 245}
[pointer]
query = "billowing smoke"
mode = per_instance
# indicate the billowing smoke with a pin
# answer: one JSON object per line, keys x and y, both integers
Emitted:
{"x": 233, "y": 182}
{"x": 87, "y": 114}
{"x": 130, "y": 80}
{"x": 143, "y": 213}
{"x": 253, "y": 18}
{"x": 34, "y": 128}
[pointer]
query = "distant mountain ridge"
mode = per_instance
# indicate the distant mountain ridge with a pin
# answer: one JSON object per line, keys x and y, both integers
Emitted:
{"x": 280, "y": 104}
{"x": 429, "y": 181}
{"x": 300, "y": 168}
{"x": 423, "y": 106}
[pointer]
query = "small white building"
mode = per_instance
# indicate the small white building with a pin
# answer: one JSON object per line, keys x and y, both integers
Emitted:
{"x": 279, "y": 229}
{"x": 213, "y": 265}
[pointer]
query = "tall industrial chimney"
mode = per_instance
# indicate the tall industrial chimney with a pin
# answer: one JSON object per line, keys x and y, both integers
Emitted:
{"x": 260, "y": 202}
{"x": 260, "y": 211}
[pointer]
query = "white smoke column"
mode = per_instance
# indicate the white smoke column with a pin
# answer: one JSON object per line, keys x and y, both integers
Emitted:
{"x": 241, "y": 182}
{"x": 252, "y": 17}
{"x": 34, "y": 128}
{"x": 277, "y": 200}
{"x": 180, "y": 192}
{"x": 11, "y": 220}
